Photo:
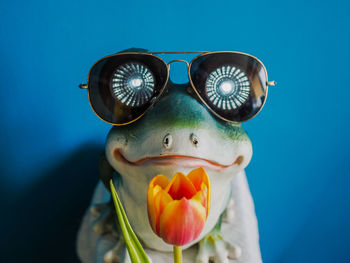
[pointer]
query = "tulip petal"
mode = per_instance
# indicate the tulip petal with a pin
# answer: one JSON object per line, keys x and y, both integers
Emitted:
{"x": 182, "y": 221}
{"x": 198, "y": 177}
{"x": 180, "y": 186}
{"x": 202, "y": 197}
{"x": 161, "y": 200}
{"x": 160, "y": 180}
{"x": 151, "y": 209}
{"x": 156, "y": 185}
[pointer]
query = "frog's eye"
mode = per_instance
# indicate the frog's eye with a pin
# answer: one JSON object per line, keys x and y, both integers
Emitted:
{"x": 132, "y": 84}
{"x": 227, "y": 87}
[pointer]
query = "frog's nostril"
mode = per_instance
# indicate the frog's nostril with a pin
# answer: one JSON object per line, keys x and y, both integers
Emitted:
{"x": 194, "y": 139}
{"x": 167, "y": 141}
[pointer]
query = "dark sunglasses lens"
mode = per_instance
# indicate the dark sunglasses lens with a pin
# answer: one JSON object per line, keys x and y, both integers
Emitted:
{"x": 233, "y": 85}
{"x": 122, "y": 87}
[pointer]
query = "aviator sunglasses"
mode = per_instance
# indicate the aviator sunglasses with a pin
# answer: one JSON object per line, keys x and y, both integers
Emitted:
{"x": 124, "y": 86}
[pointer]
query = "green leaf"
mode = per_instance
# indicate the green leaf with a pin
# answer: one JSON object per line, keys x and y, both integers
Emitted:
{"x": 136, "y": 252}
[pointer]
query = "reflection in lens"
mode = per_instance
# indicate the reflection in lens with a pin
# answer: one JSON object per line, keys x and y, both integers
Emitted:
{"x": 133, "y": 84}
{"x": 227, "y": 87}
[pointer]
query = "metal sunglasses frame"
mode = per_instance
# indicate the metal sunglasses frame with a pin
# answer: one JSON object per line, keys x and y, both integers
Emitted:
{"x": 188, "y": 65}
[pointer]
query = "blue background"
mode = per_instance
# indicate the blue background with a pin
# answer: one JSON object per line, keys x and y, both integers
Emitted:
{"x": 51, "y": 140}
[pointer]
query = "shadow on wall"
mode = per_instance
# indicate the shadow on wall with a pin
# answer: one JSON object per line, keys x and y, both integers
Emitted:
{"x": 44, "y": 221}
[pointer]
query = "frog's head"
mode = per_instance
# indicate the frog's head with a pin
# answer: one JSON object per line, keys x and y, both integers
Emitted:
{"x": 178, "y": 134}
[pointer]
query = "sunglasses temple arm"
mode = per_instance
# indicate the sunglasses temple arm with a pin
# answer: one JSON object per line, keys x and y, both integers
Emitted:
{"x": 271, "y": 83}
{"x": 83, "y": 86}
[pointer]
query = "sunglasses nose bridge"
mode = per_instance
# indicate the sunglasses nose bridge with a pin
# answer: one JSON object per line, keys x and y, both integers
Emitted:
{"x": 178, "y": 60}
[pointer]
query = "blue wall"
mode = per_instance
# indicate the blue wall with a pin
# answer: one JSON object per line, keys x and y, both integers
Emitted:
{"x": 51, "y": 140}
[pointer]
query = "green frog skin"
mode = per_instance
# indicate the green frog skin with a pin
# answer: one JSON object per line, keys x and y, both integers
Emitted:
{"x": 178, "y": 134}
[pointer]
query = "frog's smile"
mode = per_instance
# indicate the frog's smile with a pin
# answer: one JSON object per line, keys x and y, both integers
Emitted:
{"x": 174, "y": 159}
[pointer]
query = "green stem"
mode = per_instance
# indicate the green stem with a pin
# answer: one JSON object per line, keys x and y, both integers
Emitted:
{"x": 177, "y": 254}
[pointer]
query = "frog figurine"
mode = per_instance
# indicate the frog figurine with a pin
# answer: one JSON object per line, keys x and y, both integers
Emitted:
{"x": 179, "y": 131}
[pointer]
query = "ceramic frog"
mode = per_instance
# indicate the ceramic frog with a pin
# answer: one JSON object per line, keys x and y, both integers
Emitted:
{"x": 178, "y": 134}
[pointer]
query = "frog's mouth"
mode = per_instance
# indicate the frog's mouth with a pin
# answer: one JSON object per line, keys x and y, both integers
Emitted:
{"x": 178, "y": 160}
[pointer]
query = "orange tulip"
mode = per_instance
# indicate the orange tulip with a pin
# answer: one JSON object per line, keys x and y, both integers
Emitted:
{"x": 177, "y": 210}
